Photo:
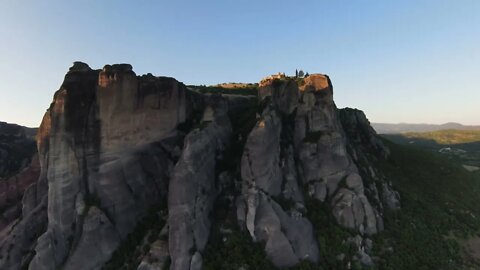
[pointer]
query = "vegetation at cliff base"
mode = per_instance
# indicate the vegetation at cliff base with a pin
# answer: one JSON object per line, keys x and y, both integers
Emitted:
{"x": 439, "y": 212}
{"x": 128, "y": 254}
{"x": 330, "y": 236}
{"x": 247, "y": 90}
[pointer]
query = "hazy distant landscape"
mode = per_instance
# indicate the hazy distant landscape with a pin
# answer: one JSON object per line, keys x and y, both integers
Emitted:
{"x": 460, "y": 146}
{"x": 384, "y": 128}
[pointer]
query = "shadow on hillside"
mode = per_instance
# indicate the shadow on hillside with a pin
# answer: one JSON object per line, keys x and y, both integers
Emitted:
{"x": 429, "y": 143}
{"x": 463, "y": 153}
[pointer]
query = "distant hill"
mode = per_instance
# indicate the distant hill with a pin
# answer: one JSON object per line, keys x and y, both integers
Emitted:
{"x": 384, "y": 128}
{"x": 448, "y": 136}
{"x": 17, "y": 146}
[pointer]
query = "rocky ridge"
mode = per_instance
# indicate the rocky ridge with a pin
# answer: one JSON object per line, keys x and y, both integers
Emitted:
{"x": 116, "y": 149}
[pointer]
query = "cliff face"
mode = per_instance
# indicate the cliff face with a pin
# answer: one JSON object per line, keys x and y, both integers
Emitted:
{"x": 116, "y": 149}
{"x": 110, "y": 135}
{"x": 298, "y": 148}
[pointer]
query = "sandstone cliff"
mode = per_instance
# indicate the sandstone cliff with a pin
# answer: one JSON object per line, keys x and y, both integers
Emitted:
{"x": 134, "y": 168}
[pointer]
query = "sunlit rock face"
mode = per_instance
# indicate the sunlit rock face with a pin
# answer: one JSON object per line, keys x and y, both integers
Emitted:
{"x": 116, "y": 150}
{"x": 137, "y": 110}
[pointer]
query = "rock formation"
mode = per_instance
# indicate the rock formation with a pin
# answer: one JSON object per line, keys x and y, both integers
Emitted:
{"x": 12, "y": 190}
{"x": 192, "y": 186}
{"x": 109, "y": 139}
{"x": 22, "y": 202}
{"x": 116, "y": 149}
{"x": 299, "y": 144}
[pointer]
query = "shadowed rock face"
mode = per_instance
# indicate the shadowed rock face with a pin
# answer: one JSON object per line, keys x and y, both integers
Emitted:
{"x": 365, "y": 146}
{"x": 108, "y": 134}
{"x": 19, "y": 170}
{"x": 190, "y": 202}
{"x": 12, "y": 190}
{"x": 113, "y": 146}
{"x": 299, "y": 143}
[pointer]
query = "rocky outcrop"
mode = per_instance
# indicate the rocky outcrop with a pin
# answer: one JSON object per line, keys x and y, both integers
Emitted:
{"x": 299, "y": 144}
{"x": 115, "y": 147}
{"x": 109, "y": 136}
{"x": 18, "y": 238}
{"x": 99, "y": 240}
{"x": 158, "y": 255}
{"x": 360, "y": 132}
{"x": 12, "y": 190}
{"x": 287, "y": 235}
{"x": 327, "y": 168}
{"x": 192, "y": 189}
{"x": 367, "y": 148}
{"x": 21, "y": 220}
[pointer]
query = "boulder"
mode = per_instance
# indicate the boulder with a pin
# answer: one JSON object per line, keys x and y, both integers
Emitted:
{"x": 391, "y": 198}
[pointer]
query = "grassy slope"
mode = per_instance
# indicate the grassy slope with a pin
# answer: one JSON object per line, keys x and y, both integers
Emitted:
{"x": 439, "y": 208}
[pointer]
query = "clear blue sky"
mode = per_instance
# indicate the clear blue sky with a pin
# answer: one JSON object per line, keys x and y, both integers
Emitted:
{"x": 399, "y": 61}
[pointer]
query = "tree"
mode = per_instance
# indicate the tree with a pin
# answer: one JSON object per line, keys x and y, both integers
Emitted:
{"x": 301, "y": 74}
{"x": 296, "y": 73}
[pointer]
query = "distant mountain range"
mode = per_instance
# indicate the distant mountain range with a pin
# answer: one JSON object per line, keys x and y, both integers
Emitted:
{"x": 383, "y": 128}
